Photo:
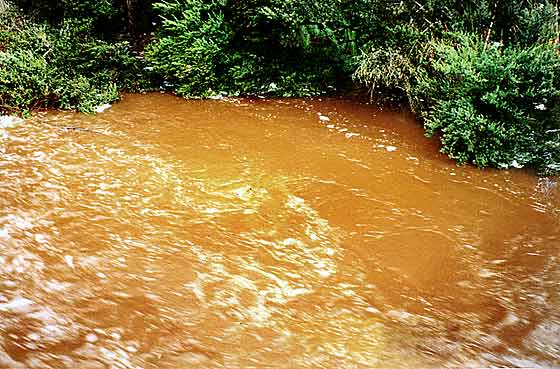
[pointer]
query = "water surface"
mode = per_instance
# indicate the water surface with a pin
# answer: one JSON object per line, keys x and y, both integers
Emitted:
{"x": 241, "y": 233}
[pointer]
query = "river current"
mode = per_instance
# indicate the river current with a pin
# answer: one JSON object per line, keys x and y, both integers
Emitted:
{"x": 256, "y": 233}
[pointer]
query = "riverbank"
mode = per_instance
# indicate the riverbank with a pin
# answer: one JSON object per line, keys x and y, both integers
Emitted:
{"x": 484, "y": 81}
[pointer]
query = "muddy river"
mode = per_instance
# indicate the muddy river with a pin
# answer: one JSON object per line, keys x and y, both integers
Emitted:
{"x": 254, "y": 233}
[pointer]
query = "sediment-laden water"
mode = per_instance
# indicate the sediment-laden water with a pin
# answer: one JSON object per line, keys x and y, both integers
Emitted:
{"x": 166, "y": 233}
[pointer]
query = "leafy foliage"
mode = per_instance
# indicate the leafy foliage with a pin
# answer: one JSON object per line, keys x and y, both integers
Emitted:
{"x": 491, "y": 104}
{"x": 42, "y": 66}
{"x": 491, "y": 94}
{"x": 264, "y": 47}
{"x": 191, "y": 45}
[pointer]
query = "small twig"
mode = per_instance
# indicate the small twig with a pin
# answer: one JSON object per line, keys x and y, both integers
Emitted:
{"x": 491, "y": 24}
{"x": 557, "y": 43}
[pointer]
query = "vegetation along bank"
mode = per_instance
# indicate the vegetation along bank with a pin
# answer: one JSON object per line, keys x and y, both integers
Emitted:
{"x": 483, "y": 76}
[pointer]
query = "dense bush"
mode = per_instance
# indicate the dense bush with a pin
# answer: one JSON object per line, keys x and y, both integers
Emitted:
{"x": 274, "y": 47}
{"x": 492, "y": 94}
{"x": 65, "y": 67}
{"x": 191, "y": 46}
{"x": 492, "y": 104}
{"x": 104, "y": 16}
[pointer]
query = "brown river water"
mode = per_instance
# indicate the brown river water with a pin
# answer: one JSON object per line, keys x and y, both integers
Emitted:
{"x": 254, "y": 233}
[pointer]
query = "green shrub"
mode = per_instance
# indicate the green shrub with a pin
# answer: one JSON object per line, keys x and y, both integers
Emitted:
{"x": 104, "y": 16}
{"x": 259, "y": 47}
{"x": 191, "y": 46}
{"x": 64, "y": 67}
{"x": 492, "y": 105}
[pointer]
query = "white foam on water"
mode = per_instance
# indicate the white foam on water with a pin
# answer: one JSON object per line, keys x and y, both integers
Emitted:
{"x": 102, "y": 108}
{"x": 8, "y": 121}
